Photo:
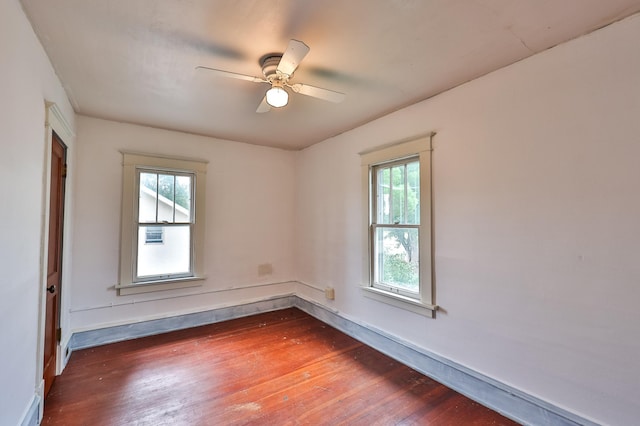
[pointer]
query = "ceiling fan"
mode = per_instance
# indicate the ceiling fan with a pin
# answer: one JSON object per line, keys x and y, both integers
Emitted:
{"x": 277, "y": 70}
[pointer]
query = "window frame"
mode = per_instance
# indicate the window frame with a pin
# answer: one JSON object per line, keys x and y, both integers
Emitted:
{"x": 133, "y": 165}
{"x": 415, "y": 149}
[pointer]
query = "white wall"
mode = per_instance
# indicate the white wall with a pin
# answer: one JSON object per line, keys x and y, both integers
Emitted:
{"x": 26, "y": 81}
{"x": 537, "y": 224}
{"x": 250, "y": 222}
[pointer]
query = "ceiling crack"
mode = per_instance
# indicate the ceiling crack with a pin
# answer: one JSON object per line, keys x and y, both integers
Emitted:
{"x": 520, "y": 40}
{"x": 496, "y": 14}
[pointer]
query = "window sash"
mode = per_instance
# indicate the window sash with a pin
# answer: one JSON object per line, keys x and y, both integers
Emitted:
{"x": 384, "y": 204}
{"x": 169, "y": 258}
{"x": 175, "y": 206}
{"x": 379, "y": 260}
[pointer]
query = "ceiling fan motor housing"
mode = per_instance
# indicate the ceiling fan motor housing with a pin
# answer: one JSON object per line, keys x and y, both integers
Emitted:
{"x": 269, "y": 68}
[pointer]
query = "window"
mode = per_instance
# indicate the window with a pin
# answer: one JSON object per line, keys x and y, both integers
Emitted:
{"x": 162, "y": 223}
{"x": 398, "y": 188}
{"x": 154, "y": 235}
{"x": 395, "y": 229}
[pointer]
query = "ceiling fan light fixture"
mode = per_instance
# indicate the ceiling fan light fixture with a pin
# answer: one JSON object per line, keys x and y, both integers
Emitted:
{"x": 277, "y": 97}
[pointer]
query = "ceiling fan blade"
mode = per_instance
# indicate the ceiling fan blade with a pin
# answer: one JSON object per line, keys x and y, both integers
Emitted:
{"x": 230, "y": 74}
{"x": 264, "y": 106}
{"x": 291, "y": 58}
{"x": 317, "y": 92}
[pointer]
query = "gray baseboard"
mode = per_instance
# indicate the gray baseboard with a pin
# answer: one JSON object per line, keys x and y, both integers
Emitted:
{"x": 31, "y": 417}
{"x": 102, "y": 336}
{"x": 510, "y": 402}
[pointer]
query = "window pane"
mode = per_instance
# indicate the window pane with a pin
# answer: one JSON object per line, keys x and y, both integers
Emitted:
{"x": 398, "y": 194}
{"x": 148, "y": 197}
{"x": 413, "y": 193}
{"x": 383, "y": 190}
{"x": 397, "y": 258}
{"x": 183, "y": 199}
{"x": 170, "y": 258}
{"x": 166, "y": 191}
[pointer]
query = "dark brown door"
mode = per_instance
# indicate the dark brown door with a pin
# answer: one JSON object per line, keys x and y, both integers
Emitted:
{"x": 54, "y": 261}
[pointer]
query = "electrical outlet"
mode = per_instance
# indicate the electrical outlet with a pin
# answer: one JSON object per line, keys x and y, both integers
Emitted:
{"x": 330, "y": 293}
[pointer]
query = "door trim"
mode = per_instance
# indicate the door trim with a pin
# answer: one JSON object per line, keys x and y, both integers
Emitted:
{"x": 54, "y": 122}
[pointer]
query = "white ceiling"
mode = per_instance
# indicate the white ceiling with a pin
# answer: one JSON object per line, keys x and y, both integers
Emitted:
{"x": 134, "y": 61}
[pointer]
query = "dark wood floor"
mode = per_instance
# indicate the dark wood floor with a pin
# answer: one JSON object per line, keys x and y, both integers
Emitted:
{"x": 278, "y": 368}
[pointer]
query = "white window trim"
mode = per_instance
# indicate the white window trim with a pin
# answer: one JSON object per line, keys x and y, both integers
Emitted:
{"x": 422, "y": 148}
{"x": 128, "y": 231}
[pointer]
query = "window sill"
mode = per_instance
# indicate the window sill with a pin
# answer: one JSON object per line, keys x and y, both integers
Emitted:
{"x": 399, "y": 301}
{"x": 147, "y": 287}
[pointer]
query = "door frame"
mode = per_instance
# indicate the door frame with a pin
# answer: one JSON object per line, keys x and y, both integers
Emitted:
{"x": 54, "y": 122}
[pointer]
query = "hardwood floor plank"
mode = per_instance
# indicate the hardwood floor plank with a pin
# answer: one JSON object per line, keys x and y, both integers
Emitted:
{"x": 277, "y": 368}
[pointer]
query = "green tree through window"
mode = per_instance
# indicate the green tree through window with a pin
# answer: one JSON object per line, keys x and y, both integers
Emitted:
{"x": 168, "y": 186}
{"x": 398, "y": 192}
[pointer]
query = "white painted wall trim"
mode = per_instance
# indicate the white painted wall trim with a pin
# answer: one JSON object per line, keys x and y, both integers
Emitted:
{"x": 54, "y": 122}
{"x": 57, "y": 121}
{"x": 171, "y": 297}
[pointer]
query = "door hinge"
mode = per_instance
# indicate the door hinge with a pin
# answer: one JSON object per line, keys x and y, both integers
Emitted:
{"x": 59, "y": 334}
{"x": 64, "y": 171}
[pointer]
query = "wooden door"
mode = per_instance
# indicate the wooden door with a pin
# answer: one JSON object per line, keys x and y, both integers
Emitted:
{"x": 54, "y": 261}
